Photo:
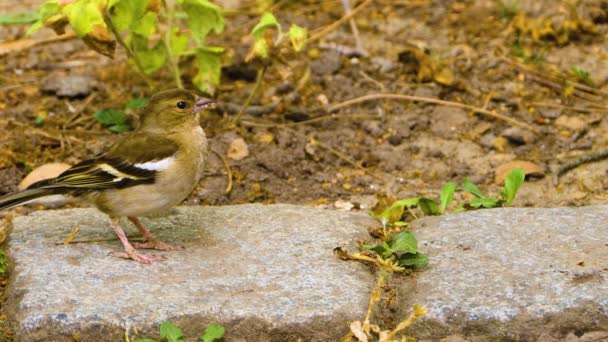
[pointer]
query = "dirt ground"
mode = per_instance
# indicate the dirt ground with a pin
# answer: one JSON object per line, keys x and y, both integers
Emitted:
{"x": 542, "y": 66}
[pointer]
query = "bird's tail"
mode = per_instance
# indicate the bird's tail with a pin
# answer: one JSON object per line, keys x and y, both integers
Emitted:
{"x": 14, "y": 199}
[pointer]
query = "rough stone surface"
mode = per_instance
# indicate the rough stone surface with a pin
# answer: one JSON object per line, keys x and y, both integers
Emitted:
{"x": 263, "y": 272}
{"x": 513, "y": 274}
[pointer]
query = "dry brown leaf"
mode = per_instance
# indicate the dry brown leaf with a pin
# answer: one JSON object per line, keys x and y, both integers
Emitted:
{"x": 44, "y": 171}
{"x": 530, "y": 169}
{"x": 357, "y": 329}
{"x": 101, "y": 40}
{"x": 238, "y": 149}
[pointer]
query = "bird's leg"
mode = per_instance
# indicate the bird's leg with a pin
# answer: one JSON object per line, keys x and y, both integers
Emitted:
{"x": 151, "y": 242}
{"x": 130, "y": 252}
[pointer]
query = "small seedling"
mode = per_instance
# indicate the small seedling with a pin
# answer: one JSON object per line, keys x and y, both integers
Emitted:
{"x": 581, "y": 75}
{"x": 172, "y": 333}
{"x": 18, "y": 18}
{"x": 213, "y": 332}
{"x": 402, "y": 248}
{"x": 513, "y": 182}
{"x": 508, "y": 8}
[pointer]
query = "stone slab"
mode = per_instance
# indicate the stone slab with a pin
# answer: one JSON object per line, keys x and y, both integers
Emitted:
{"x": 512, "y": 274}
{"x": 263, "y": 272}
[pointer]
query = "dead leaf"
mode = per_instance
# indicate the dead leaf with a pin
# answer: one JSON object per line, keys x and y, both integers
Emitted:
{"x": 530, "y": 169}
{"x": 45, "y": 171}
{"x": 238, "y": 149}
{"x": 100, "y": 40}
{"x": 357, "y": 329}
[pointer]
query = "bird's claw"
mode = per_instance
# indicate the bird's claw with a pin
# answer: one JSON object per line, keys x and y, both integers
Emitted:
{"x": 135, "y": 255}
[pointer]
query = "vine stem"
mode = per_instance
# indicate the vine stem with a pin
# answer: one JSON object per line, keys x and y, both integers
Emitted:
{"x": 130, "y": 53}
{"x": 173, "y": 60}
{"x": 258, "y": 83}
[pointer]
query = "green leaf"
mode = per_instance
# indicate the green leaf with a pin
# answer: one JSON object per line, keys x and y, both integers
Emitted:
{"x": 39, "y": 120}
{"x": 405, "y": 241}
{"x": 171, "y": 332}
{"x": 212, "y": 333}
{"x": 413, "y": 260}
{"x": 395, "y": 211}
{"x": 110, "y": 117}
{"x": 146, "y": 25}
{"x": 209, "y": 61}
{"x": 3, "y": 262}
{"x": 151, "y": 59}
{"x": 203, "y": 17}
{"x": 446, "y": 196}
{"x": 18, "y": 18}
{"x": 267, "y": 21}
{"x": 428, "y": 206}
{"x": 382, "y": 249}
{"x": 137, "y": 103}
{"x": 47, "y": 10}
{"x": 485, "y": 202}
{"x": 298, "y": 37}
{"x": 179, "y": 42}
{"x": 468, "y": 186}
{"x": 124, "y": 13}
{"x": 83, "y": 15}
{"x": 514, "y": 180}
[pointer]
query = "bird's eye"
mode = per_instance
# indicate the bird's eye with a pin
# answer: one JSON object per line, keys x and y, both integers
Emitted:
{"x": 181, "y": 104}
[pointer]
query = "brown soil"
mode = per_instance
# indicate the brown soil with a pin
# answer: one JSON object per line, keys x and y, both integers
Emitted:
{"x": 470, "y": 52}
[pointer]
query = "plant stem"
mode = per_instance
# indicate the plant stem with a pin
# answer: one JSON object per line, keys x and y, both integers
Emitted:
{"x": 130, "y": 53}
{"x": 258, "y": 82}
{"x": 173, "y": 60}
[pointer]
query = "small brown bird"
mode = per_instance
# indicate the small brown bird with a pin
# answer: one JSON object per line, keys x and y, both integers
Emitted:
{"x": 152, "y": 169}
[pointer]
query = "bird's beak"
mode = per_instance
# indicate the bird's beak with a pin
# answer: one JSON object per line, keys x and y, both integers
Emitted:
{"x": 203, "y": 103}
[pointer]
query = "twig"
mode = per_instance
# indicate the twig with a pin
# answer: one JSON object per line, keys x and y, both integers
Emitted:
{"x": 328, "y": 29}
{"x": 313, "y": 120}
{"x": 414, "y": 98}
{"x": 228, "y": 171}
{"x": 24, "y": 44}
{"x": 588, "y": 158}
{"x": 86, "y": 103}
{"x": 258, "y": 83}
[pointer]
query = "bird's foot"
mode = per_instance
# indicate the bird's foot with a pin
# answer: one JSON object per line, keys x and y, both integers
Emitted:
{"x": 135, "y": 255}
{"x": 159, "y": 245}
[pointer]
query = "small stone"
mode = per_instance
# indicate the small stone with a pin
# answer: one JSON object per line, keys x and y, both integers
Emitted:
{"x": 487, "y": 140}
{"x": 343, "y": 205}
{"x": 550, "y": 113}
{"x": 395, "y": 140}
{"x": 373, "y": 128}
{"x": 570, "y": 122}
{"x": 68, "y": 86}
{"x": 517, "y": 135}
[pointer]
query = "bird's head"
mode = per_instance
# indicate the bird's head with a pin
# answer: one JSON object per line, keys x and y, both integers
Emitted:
{"x": 173, "y": 109}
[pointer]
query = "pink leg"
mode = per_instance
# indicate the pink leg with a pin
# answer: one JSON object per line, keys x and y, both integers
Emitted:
{"x": 151, "y": 242}
{"x": 130, "y": 252}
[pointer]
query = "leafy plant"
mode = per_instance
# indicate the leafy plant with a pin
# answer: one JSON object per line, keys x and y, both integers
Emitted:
{"x": 402, "y": 248}
{"x": 513, "y": 182}
{"x": 263, "y": 38}
{"x": 172, "y": 333}
{"x": 117, "y": 120}
{"x": 149, "y": 30}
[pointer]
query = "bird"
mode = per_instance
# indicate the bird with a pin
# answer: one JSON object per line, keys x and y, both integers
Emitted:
{"x": 152, "y": 169}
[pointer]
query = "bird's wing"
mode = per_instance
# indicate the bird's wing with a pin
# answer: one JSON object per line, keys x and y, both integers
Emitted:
{"x": 134, "y": 161}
